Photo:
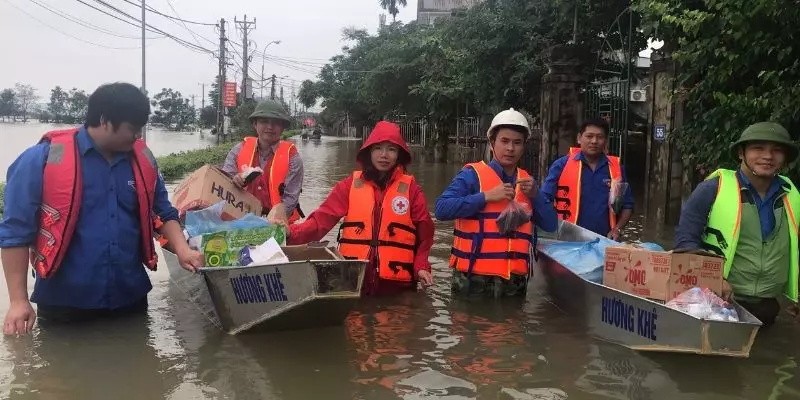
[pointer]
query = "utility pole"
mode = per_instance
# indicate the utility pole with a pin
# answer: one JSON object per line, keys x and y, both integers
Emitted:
{"x": 272, "y": 92}
{"x": 245, "y": 27}
{"x": 221, "y": 80}
{"x": 282, "y": 94}
{"x": 203, "y": 97}
{"x": 263, "y": 59}
{"x": 294, "y": 103}
{"x": 144, "y": 86}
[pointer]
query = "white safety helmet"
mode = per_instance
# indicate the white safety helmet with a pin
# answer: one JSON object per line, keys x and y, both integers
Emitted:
{"x": 509, "y": 117}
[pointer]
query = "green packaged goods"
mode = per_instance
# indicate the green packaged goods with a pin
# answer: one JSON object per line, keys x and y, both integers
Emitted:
{"x": 221, "y": 249}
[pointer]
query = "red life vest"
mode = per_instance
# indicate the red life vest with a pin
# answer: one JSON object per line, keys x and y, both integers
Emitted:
{"x": 62, "y": 192}
{"x": 393, "y": 236}
{"x": 268, "y": 187}
{"x": 479, "y": 247}
{"x": 568, "y": 193}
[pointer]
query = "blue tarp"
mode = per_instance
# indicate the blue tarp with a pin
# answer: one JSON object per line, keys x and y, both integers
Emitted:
{"x": 586, "y": 258}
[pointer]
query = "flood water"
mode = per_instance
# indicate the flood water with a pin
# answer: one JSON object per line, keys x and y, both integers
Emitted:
{"x": 424, "y": 345}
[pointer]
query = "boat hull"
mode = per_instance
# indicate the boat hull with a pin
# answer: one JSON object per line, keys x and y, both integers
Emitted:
{"x": 317, "y": 288}
{"x": 638, "y": 323}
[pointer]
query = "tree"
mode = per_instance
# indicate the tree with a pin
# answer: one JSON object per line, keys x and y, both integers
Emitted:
{"x": 208, "y": 116}
{"x": 480, "y": 61}
{"x": 57, "y": 108}
{"x": 172, "y": 110}
{"x": 392, "y": 6}
{"x": 738, "y": 64}
{"x": 241, "y": 117}
{"x": 308, "y": 94}
{"x": 77, "y": 101}
{"x": 26, "y": 98}
{"x": 9, "y": 106}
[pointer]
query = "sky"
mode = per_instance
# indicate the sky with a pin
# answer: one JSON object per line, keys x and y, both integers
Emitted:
{"x": 47, "y": 48}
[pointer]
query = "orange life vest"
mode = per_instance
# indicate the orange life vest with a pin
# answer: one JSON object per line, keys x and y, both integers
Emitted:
{"x": 568, "y": 193}
{"x": 479, "y": 247}
{"x": 270, "y": 185}
{"x": 62, "y": 192}
{"x": 393, "y": 236}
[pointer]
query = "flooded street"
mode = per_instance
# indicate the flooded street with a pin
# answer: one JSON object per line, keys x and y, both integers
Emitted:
{"x": 423, "y": 345}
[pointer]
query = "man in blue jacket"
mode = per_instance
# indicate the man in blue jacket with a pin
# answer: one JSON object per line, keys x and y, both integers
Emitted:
{"x": 578, "y": 184}
{"x": 484, "y": 259}
{"x": 73, "y": 208}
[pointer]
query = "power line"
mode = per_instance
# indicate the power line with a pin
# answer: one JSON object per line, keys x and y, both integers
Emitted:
{"x": 80, "y": 22}
{"x": 180, "y": 41}
{"x": 67, "y": 34}
{"x": 180, "y": 22}
{"x": 194, "y": 36}
{"x": 154, "y": 11}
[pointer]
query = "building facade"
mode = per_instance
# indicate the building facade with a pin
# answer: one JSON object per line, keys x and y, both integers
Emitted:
{"x": 428, "y": 11}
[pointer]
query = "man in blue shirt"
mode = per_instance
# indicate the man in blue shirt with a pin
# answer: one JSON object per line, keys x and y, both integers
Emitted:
{"x": 578, "y": 184}
{"x": 485, "y": 260}
{"x": 101, "y": 273}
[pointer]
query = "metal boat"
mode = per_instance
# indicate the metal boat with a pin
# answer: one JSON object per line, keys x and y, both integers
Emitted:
{"x": 636, "y": 322}
{"x": 318, "y": 287}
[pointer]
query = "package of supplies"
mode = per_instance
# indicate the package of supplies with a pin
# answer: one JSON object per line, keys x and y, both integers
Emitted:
{"x": 704, "y": 304}
{"x": 209, "y": 220}
{"x": 266, "y": 253}
{"x": 209, "y": 185}
{"x": 221, "y": 249}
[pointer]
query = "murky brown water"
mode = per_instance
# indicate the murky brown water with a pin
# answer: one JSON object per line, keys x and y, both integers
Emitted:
{"x": 419, "y": 346}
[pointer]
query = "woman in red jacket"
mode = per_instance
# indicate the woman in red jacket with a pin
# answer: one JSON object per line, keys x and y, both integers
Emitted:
{"x": 386, "y": 219}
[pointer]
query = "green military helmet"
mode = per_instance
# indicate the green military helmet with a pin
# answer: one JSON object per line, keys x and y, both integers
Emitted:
{"x": 271, "y": 109}
{"x": 767, "y": 132}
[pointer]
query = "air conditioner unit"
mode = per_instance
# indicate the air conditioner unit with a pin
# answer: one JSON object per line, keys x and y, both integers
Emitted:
{"x": 638, "y": 95}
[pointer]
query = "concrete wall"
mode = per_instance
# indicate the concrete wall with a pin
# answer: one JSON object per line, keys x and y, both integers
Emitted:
{"x": 665, "y": 172}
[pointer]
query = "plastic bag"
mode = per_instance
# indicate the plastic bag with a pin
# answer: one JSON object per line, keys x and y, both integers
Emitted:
{"x": 616, "y": 195}
{"x": 209, "y": 220}
{"x": 705, "y": 304}
{"x": 514, "y": 216}
{"x": 580, "y": 257}
{"x": 587, "y": 258}
{"x": 266, "y": 253}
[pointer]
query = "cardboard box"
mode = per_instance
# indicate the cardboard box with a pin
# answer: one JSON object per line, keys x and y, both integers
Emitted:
{"x": 209, "y": 185}
{"x": 690, "y": 270}
{"x": 659, "y": 275}
{"x": 221, "y": 249}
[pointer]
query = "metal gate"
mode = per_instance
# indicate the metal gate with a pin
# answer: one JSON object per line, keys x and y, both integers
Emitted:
{"x": 609, "y": 100}
{"x": 608, "y": 95}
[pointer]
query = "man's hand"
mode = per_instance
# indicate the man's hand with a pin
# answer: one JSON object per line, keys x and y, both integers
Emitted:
{"x": 614, "y": 234}
{"x": 794, "y": 310}
{"x": 424, "y": 277}
{"x": 527, "y": 187}
{"x": 238, "y": 181}
{"x": 19, "y": 318}
{"x": 191, "y": 260}
{"x": 277, "y": 215}
{"x": 500, "y": 192}
{"x": 727, "y": 290}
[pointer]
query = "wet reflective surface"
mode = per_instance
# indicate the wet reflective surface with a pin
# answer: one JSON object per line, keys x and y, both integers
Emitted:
{"x": 417, "y": 346}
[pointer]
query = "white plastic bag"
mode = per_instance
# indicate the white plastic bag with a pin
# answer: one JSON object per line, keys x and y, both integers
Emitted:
{"x": 266, "y": 253}
{"x": 705, "y": 304}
